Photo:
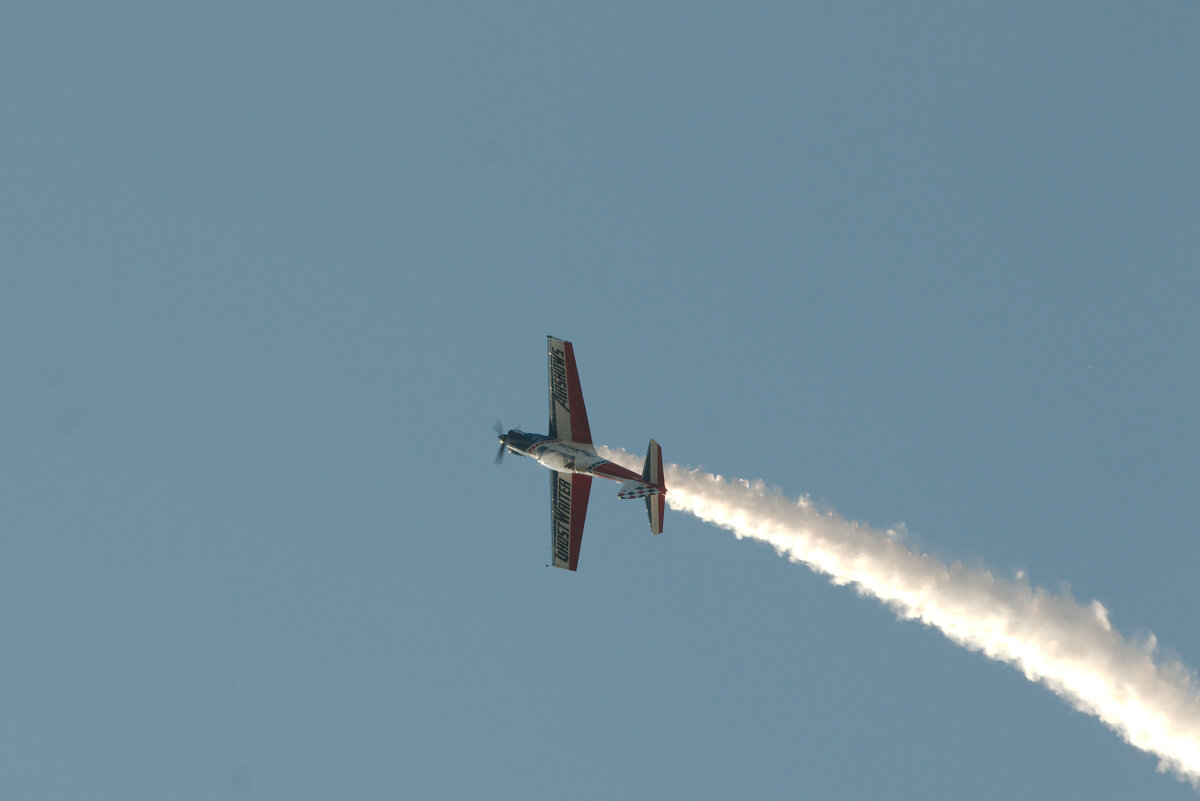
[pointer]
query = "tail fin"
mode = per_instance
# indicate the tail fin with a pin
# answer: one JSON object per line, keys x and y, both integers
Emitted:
{"x": 652, "y": 473}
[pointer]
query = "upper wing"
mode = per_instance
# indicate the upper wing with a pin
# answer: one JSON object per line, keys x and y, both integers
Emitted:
{"x": 568, "y": 509}
{"x": 568, "y": 417}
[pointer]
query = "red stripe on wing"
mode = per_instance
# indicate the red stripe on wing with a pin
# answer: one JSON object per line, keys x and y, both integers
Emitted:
{"x": 580, "y": 431}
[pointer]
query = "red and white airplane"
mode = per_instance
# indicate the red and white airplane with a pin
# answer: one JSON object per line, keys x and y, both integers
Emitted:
{"x": 568, "y": 451}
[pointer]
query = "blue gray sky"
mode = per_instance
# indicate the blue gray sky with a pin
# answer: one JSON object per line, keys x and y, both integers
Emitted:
{"x": 272, "y": 273}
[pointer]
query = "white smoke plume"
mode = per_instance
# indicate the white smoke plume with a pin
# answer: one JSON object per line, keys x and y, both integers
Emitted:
{"x": 1151, "y": 702}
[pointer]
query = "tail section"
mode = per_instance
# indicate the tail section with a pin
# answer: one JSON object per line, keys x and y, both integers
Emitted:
{"x": 649, "y": 487}
{"x": 652, "y": 474}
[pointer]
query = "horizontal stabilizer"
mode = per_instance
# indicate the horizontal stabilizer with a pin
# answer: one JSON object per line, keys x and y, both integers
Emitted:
{"x": 655, "y": 504}
{"x": 652, "y": 470}
{"x": 652, "y": 474}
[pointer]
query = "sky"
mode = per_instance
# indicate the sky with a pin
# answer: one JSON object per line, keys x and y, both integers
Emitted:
{"x": 272, "y": 271}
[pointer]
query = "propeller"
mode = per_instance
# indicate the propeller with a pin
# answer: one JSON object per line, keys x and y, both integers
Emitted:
{"x": 503, "y": 442}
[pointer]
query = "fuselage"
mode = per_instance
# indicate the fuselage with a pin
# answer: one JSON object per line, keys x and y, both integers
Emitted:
{"x": 565, "y": 457}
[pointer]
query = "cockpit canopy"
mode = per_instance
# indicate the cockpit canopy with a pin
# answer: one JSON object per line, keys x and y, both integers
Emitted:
{"x": 518, "y": 440}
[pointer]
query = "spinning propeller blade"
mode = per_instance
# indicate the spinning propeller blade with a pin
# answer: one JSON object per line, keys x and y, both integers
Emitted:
{"x": 503, "y": 439}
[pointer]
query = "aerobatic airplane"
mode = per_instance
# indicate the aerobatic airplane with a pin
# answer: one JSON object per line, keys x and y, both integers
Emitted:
{"x": 568, "y": 451}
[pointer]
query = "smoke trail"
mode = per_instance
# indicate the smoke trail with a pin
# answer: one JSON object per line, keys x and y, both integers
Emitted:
{"x": 1070, "y": 648}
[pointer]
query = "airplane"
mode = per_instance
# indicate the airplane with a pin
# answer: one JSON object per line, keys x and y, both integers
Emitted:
{"x": 569, "y": 452}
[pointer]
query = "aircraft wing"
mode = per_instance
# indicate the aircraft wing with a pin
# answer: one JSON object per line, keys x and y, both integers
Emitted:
{"x": 568, "y": 508}
{"x": 568, "y": 417}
